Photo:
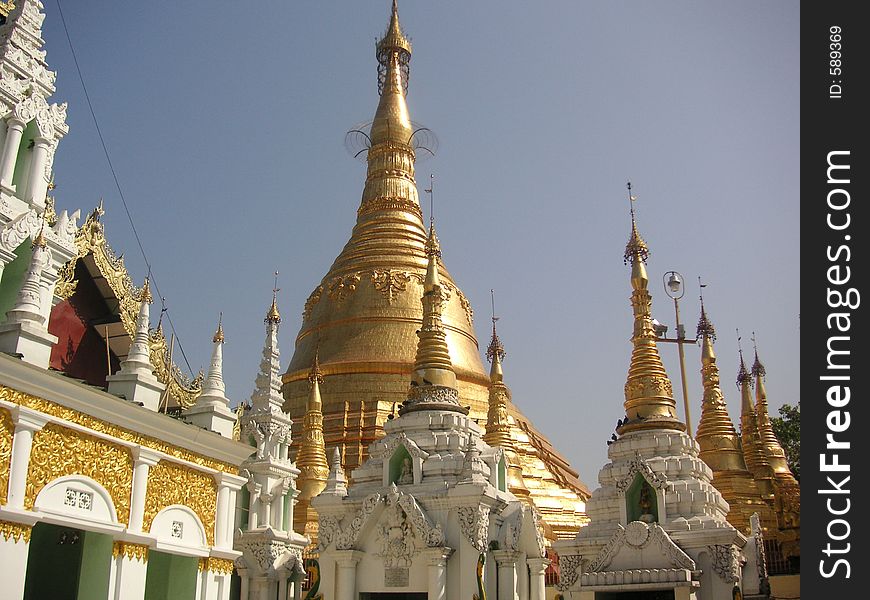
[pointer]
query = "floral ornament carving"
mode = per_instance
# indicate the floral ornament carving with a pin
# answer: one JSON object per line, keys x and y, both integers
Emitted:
{"x": 639, "y": 465}
{"x": 474, "y": 524}
{"x": 340, "y": 289}
{"x": 7, "y": 431}
{"x": 539, "y": 532}
{"x": 327, "y": 531}
{"x": 761, "y": 560}
{"x": 570, "y": 566}
{"x": 635, "y": 537}
{"x": 348, "y": 537}
{"x": 137, "y": 552}
{"x": 19, "y": 229}
{"x": 390, "y": 283}
{"x": 266, "y": 430}
{"x": 726, "y": 562}
{"x": 265, "y": 554}
{"x": 58, "y": 452}
{"x": 606, "y": 554}
{"x": 56, "y": 410}
{"x": 312, "y": 301}
{"x": 15, "y": 531}
{"x": 393, "y": 442}
{"x": 649, "y": 387}
{"x": 394, "y": 535}
{"x": 171, "y": 483}
{"x": 221, "y": 566}
{"x": 465, "y": 303}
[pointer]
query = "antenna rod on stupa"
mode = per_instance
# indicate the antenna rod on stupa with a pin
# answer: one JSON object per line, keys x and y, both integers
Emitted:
{"x": 273, "y": 317}
{"x": 649, "y": 401}
{"x": 431, "y": 191}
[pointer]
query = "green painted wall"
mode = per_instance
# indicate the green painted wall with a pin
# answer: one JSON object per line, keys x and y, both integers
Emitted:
{"x": 170, "y": 577}
{"x": 632, "y": 499}
{"x": 53, "y": 563}
{"x": 12, "y": 278}
{"x": 502, "y": 476}
{"x": 95, "y": 565}
{"x": 22, "y": 163}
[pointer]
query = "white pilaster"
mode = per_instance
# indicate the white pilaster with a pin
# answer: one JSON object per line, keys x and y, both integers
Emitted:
{"x": 143, "y": 460}
{"x": 27, "y": 422}
{"x": 436, "y": 560}
{"x": 537, "y": 583}
{"x": 228, "y": 485}
{"x": 14, "y": 131}
{"x": 507, "y": 573}
{"x": 128, "y": 575}
{"x": 346, "y": 561}
{"x": 14, "y": 548}
{"x": 37, "y": 184}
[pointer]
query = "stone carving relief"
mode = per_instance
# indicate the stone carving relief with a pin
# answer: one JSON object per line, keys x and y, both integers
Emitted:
{"x": 340, "y": 289}
{"x": 569, "y": 571}
{"x": 640, "y": 535}
{"x": 267, "y": 432}
{"x": 265, "y": 554}
{"x": 474, "y": 524}
{"x": 390, "y": 283}
{"x": 393, "y": 442}
{"x": 18, "y": 230}
{"x": 639, "y": 465}
{"x": 726, "y": 562}
{"x": 328, "y": 530}
{"x": 312, "y": 301}
{"x": 347, "y": 538}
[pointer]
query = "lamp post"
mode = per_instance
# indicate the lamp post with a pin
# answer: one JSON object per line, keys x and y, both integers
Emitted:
{"x": 674, "y": 288}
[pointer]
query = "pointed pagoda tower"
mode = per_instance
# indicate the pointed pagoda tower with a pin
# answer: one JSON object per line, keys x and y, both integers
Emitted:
{"x": 364, "y": 314}
{"x": 657, "y": 521}
{"x": 720, "y": 444}
{"x": 750, "y": 441}
{"x": 786, "y": 489}
{"x": 311, "y": 458}
{"x": 272, "y": 550}
{"x": 431, "y": 490}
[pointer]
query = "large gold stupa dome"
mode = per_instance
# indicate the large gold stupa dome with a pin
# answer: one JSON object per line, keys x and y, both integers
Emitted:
{"x": 362, "y": 319}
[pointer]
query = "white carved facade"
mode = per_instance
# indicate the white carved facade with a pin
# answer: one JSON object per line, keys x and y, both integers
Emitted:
{"x": 422, "y": 511}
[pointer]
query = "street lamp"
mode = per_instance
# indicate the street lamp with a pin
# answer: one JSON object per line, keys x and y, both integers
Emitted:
{"x": 674, "y": 288}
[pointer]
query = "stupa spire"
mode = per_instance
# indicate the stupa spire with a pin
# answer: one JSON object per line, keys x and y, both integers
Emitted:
{"x": 267, "y": 387}
{"x": 649, "y": 401}
{"x": 720, "y": 444}
{"x": 214, "y": 380}
{"x": 767, "y": 437}
{"x": 311, "y": 458}
{"x": 753, "y": 450}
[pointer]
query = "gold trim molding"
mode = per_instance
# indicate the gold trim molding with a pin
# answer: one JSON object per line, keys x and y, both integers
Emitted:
{"x": 130, "y": 551}
{"x": 221, "y": 566}
{"x": 59, "y": 451}
{"x": 171, "y": 483}
{"x": 61, "y": 412}
{"x": 7, "y": 431}
{"x": 15, "y": 531}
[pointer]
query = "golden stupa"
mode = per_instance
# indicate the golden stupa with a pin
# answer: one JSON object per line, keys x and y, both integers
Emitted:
{"x": 363, "y": 317}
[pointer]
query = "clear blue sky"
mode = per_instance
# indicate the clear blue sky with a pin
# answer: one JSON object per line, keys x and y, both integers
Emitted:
{"x": 225, "y": 123}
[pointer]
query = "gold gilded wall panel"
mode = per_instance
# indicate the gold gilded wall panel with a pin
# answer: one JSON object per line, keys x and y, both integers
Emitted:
{"x": 62, "y": 412}
{"x": 171, "y": 483}
{"x": 58, "y": 452}
{"x": 7, "y": 430}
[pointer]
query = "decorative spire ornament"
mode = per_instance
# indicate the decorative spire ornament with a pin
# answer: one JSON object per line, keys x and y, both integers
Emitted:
{"x": 753, "y": 451}
{"x": 213, "y": 386}
{"x": 649, "y": 401}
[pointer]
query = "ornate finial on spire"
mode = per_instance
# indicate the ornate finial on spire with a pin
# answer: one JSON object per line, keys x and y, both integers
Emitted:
{"x": 758, "y": 369}
{"x": 39, "y": 240}
{"x": 315, "y": 375}
{"x": 636, "y": 250}
{"x": 273, "y": 316}
{"x": 649, "y": 401}
{"x": 219, "y": 334}
{"x": 394, "y": 40}
{"x": 495, "y": 352}
{"x": 705, "y": 326}
{"x": 742, "y": 373}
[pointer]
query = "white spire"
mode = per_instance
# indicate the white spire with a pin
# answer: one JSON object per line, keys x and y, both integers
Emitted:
{"x": 267, "y": 387}
{"x": 213, "y": 386}
{"x": 138, "y": 360}
{"x": 28, "y": 305}
{"x": 336, "y": 483}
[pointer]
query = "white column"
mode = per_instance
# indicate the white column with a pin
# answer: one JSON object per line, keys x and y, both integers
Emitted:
{"x": 231, "y": 528}
{"x": 14, "y": 547}
{"x": 507, "y": 573}
{"x": 27, "y": 422}
{"x": 223, "y": 498}
{"x": 143, "y": 460}
{"x": 436, "y": 559}
{"x": 297, "y": 587}
{"x": 346, "y": 561}
{"x": 14, "y": 130}
{"x": 245, "y": 584}
{"x": 538, "y": 568}
{"x": 37, "y": 183}
{"x": 277, "y": 509}
{"x": 253, "y": 505}
{"x": 282, "y": 584}
{"x": 128, "y": 575}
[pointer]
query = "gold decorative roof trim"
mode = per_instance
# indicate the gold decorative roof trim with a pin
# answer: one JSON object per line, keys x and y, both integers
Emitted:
{"x": 220, "y": 566}
{"x": 137, "y": 552}
{"x": 7, "y": 431}
{"x": 90, "y": 239}
{"x": 62, "y": 412}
